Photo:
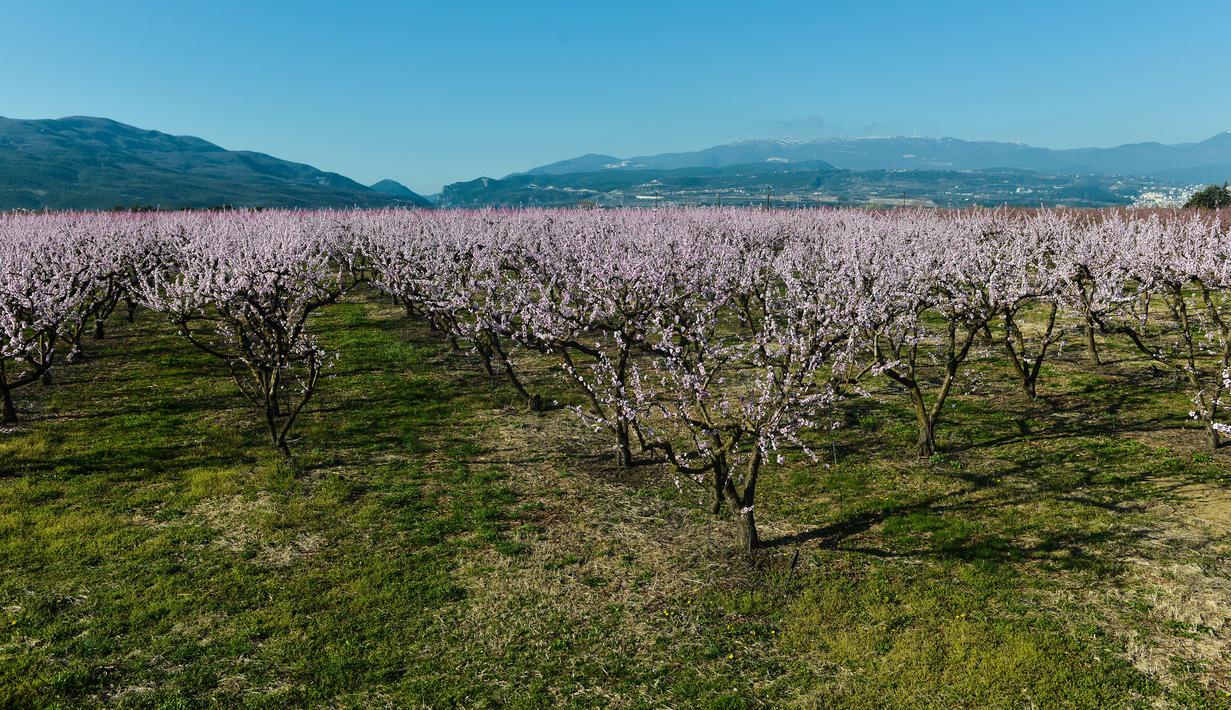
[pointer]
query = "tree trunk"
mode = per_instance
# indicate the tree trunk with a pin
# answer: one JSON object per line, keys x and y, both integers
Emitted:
{"x": 748, "y": 531}
{"x": 278, "y": 434}
{"x": 98, "y": 329}
{"x": 927, "y": 439}
{"x": 10, "y": 412}
{"x": 1015, "y": 345}
{"x": 1091, "y": 345}
{"x": 533, "y": 401}
{"x": 625, "y": 444}
{"x": 486, "y": 355}
{"x": 721, "y": 476}
{"x": 743, "y": 504}
{"x": 1212, "y": 434}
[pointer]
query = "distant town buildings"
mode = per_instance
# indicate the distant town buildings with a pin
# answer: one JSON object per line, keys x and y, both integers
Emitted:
{"x": 1165, "y": 196}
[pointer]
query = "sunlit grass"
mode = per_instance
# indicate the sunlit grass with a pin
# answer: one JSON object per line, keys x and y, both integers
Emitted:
{"x": 434, "y": 544}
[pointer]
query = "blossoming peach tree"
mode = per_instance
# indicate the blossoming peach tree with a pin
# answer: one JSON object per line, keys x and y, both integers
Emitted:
{"x": 243, "y": 287}
{"x": 44, "y": 282}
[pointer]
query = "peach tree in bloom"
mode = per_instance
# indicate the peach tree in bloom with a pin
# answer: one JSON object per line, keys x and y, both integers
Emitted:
{"x": 44, "y": 282}
{"x": 924, "y": 292}
{"x": 243, "y": 287}
{"x": 1165, "y": 288}
{"x": 699, "y": 340}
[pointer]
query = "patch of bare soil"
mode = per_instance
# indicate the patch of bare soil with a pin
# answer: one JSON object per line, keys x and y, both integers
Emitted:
{"x": 1208, "y": 503}
{"x": 238, "y": 519}
{"x": 1173, "y": 607}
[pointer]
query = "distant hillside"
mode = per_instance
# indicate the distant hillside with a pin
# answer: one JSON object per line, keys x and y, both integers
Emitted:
{"x": 583, "y": 164}
{"x": 397, "y": 190}
{"x": 1198, "y": 162}
{"x": 1199, "y": 174}
{"x": 803, "y": 184}
{"x": 570, "y": 188}
{"x": 95, "y": 163}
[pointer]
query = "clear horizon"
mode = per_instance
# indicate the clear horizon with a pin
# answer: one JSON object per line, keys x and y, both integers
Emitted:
{"x": 428, "y": 95}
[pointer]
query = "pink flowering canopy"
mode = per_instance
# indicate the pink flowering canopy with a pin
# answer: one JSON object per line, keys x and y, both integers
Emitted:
{"x": 707, "y": 341}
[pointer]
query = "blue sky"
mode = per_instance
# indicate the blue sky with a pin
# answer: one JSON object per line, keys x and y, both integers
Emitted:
{"x": 429, "y": 93}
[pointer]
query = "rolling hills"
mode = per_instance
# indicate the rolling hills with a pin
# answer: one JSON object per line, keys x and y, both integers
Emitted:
{"x": 933, "y": 172}
{"x": 96, "y": 163}
{"x": 810, "y": 183}
{"x": 1205, "y": 161}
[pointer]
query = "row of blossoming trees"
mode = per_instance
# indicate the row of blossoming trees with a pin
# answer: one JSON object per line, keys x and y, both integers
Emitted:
{"x": 705, "y": 340}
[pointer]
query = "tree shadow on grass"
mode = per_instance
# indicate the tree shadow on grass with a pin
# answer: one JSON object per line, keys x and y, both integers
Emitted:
{"x": 978, "y": 519}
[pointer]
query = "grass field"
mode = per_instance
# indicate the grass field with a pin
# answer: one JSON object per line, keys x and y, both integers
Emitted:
{"x": 436, "y": 545}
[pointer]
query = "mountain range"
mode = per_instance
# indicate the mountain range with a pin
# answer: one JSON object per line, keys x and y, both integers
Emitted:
{"x": 555, "y": 189}
{"x": 95, "y": 163}
{"x": 1206, "y": 161}
{"x": 812, "y": 183}
{"x": 935, "y": 172}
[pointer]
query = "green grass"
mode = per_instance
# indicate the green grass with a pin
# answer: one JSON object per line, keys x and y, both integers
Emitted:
{"x": 435, "y": 545}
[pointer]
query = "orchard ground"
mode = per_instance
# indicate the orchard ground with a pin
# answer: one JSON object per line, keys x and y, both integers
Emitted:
{"x": 437, "y": 545}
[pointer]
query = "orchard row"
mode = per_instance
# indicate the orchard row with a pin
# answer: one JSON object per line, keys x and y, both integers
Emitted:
{"x": 706, "y": 340}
